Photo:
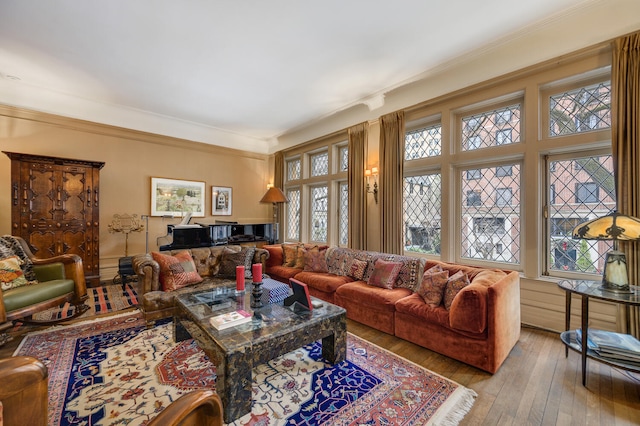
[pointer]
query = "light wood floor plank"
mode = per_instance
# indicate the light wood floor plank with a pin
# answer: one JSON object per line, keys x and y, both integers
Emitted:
{"x": 536, "y": 385}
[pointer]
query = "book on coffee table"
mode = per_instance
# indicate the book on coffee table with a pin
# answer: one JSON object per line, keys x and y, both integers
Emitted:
{"x": 230, "y": 319}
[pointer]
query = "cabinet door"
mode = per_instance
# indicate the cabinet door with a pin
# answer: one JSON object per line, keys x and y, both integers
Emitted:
{"x": 55, "y": 207}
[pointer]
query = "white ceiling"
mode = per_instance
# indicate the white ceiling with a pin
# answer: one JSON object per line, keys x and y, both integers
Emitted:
{"x": 238, "y": 73}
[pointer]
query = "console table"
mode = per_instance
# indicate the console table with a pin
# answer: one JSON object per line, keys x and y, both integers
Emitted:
{"x": 593, "y": 290}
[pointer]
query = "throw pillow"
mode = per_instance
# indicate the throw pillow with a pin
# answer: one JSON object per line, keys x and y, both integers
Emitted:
{"x": 357, "y": 269}
{"x": 176, "y": 271}
{"x": 384, "y": 274}
{"x": 300, "y": 258}
{"x": 432, "y": 286}
{"x": 231, "y": 259}
{"x": 456, "y": 282}
{"x": 315, "y": 259}
{"x": 11, "y": 275}
{"x": 289, "y": 254}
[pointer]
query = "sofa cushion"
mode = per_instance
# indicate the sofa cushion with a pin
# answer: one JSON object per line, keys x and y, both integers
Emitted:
{"x": 282, "y": 273}
{"x": 314, "y": 259}
{"x": 415, "y": 306}
{"x": 323, "y": 281}
{"x": 384, "y": 274}
{"x": 21, "y": 297}
{"x": 176, "y": 271}
{"x": 433, "y": 284}
{"x": 207, "y": 260}
{"x": 381, "y": 299}
{"x": 456, "y": 282}
{"x": 231, "y": 259}
{"x": 11, "y": 275}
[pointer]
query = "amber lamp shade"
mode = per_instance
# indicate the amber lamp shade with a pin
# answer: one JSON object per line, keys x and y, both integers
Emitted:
{"x": 614, "y": 226}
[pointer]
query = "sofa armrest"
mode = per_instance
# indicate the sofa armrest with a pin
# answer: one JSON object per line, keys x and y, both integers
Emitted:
{"x": 24, "y": 390}
{"x": 3, "y": 312}
{"x": 73, "y": 270}
{"x": 261, "y": 256}
{"x": 468, "y": 311}
{"x": 199, "y": 407}
{"x": 148, "y": 272}
{"x": 503, "y": 313}
{"x": 275, "y": 255}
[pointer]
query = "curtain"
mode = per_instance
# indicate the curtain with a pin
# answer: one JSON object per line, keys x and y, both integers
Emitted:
{"x": 391, "y": 182}
{"x": 625, "y": 137}
{"x": 278, "y": 182}
{"x": 357, "y": 195}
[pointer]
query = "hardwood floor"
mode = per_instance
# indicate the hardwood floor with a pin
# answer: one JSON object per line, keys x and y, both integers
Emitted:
{"x": 536, "y": 385}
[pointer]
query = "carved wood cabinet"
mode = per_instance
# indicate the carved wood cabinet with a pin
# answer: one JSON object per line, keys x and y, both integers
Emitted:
{"x": 55, "y": 207}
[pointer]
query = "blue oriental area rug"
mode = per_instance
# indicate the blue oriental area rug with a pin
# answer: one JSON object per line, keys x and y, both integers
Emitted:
{"x": 115, "y": 371}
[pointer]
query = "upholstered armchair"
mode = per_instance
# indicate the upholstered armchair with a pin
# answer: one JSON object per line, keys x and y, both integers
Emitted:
{"x": 200, "y": 407}
{"x": 31, "y": 285}
{"x": 24, "y": 391}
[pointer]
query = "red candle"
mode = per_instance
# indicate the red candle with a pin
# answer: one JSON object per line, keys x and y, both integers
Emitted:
{"x": 256, "y": 270}
{"x": 240, "y": 278}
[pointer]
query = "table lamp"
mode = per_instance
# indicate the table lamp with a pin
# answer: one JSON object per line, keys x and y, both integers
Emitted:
{"x": 614, "y": 226}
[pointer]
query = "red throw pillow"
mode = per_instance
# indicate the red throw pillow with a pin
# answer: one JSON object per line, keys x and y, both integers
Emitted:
{"x": 176, "y": 271}
{"x": 456, "y": 282}
{"x": 384, "y": 274}
{"x": 433, "y": 284}
{"x": 315, "y": 259}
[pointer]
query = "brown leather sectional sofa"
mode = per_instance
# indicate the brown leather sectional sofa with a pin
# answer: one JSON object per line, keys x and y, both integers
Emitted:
{"x": 480, "y": 328}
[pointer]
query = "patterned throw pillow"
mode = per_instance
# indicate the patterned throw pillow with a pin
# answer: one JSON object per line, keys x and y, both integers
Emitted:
{"x": 357, "y": 269}
{"x": 456, "y": 282}
{"x": 314, "y": 259}
{"x": 176, "y": 271}
{"x": 231, "y": 259}
{"x": 11, "y": 275}
{"x": 289, "y": 254}
{"x": 433, "y": 284}
{"x": 384, "y": 274}
{"x": 301, "y": 257}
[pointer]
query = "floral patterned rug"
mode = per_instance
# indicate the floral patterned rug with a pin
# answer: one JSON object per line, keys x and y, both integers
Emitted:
{"x": 115, "y": 371}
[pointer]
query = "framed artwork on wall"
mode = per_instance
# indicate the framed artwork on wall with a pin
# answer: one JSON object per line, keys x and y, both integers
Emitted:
{"x": 221, "y": 198}
{"x": 174, "y": 197}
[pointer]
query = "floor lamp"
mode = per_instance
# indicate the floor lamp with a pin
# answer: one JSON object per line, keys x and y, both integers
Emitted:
{"x": 275, "y": 196}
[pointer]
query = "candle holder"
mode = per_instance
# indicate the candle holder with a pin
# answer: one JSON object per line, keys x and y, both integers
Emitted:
{"x": 256, "y": 295}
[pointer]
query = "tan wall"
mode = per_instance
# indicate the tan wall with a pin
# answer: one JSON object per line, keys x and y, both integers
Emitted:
{"x": 131, "y": 159}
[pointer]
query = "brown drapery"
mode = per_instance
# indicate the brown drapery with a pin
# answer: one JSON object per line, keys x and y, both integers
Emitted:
{"x": 278, "y": 182}
{"x": 625, "y": 137}
{"x": 391, "y": 182}
{"x": 358, "y": 135}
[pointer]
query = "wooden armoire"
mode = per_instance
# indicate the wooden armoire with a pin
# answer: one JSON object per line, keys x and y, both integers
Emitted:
{"x": 55, "y": 207}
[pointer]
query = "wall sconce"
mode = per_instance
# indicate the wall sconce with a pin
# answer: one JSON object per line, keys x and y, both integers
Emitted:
{"x": 368, "y": 173}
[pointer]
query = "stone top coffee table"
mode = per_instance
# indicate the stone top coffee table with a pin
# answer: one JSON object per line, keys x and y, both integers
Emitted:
{"x": 273, "y": 331}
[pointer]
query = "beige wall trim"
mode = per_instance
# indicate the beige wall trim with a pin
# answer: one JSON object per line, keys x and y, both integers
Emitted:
{"x": 320, "y": 142}
{"x": 120, "y": 132}
{"x": 597, "y": 51}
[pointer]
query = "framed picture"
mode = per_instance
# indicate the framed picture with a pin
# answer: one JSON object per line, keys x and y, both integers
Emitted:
{"x": 300, "y": 294}
{"x": 173, "y": 197}
{"x": 221, "y": 198}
